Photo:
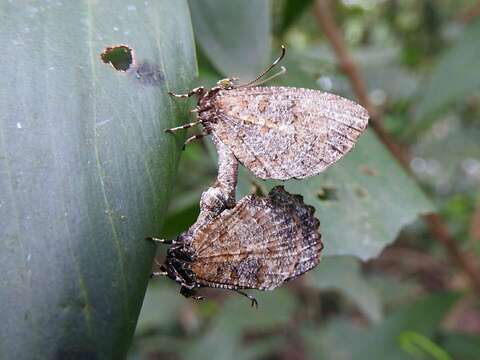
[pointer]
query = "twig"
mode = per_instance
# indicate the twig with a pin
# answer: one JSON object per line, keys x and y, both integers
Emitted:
{"x": 436, "y": 225}
{"x": 475, "y": 222}
{"x": 442, "y": 234}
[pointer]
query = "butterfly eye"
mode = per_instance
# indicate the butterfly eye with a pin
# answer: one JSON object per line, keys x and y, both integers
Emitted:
{"x": 226, "y": 83}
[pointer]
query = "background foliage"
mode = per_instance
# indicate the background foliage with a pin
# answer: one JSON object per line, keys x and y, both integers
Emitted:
{"x": 86, "y": 173}
{"x": 418, "y": 60}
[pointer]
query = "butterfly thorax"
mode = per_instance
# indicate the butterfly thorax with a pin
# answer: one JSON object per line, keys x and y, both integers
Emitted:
{"x": 207, "y": 107}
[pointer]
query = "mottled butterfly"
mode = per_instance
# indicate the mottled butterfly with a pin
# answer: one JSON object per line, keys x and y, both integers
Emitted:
{"x": 278, "y": 132}
{"x": 258, "y": 244}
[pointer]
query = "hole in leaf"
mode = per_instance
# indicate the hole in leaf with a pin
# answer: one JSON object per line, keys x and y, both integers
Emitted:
{"x": 120, "y": 57}
{"x": 327, "y": 193}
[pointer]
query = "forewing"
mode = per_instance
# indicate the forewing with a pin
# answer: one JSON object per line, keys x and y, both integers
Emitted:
{"x": 258, "y": 244}
{"x": 283, "y": 133}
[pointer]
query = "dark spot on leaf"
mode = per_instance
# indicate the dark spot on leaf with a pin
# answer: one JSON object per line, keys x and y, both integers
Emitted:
{"x": 327, "y": 193}
{"x": 361, "y": 192}
{"x": 120, "y": 57}
{"x": 149, "y": 74}
{"x": 367, "y": 170}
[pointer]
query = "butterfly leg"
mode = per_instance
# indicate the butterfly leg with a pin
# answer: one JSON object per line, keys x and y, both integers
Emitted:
{"x": 162, "y": 241}
{"x": 162, "y": 270}
{"x": 184, "y": 126}
{"x": 196, "y": 91}
{"x": 252, "y": 299}
{"x": 190, "y": 293}
{"x": 192, "y": 138}
{"x": 158, "y": 274}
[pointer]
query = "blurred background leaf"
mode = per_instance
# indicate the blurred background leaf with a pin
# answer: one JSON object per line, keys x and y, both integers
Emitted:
{"x": 291, "y": 12}
{"x": 86, "y": 169}
{"x": 346, "y": 340}
{"x": 234, "y": 35}
{"x": 454, "y": 78}
{"x": 344, "y": 274}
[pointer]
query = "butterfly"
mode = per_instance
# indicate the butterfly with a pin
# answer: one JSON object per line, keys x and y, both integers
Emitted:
{"x": 259, "y": 244}
{"x": 278, "y": 132}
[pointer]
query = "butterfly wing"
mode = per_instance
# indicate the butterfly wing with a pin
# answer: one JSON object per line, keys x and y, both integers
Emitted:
{"x": 283, "y": 133}
{"x": 258, "y": 244}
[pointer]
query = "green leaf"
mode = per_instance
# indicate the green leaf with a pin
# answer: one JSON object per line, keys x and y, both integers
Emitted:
{"x": 454, "y": 77}
{"x": 85, "y": 169}
{"x": 234, "y": 35}
{"x": 291, "y": 11}
{"x": 344, "y": 274}
{"x": 275, "y": 308}
{"x": 419, "y": 345}
{"x": 462, "y": 345}
{"x": 342, "y": 339}
{"x": 161, "y": 307}
{"x": 223, "y": 340}
{"x": 448, "y": 159}
{"x": 422, "y": 317}
{"x": 218, "y": 344}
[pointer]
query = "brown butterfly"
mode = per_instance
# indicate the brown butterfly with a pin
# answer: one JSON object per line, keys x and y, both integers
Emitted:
{"x": 278, "y": 132}
{"x": 259, "y": 244}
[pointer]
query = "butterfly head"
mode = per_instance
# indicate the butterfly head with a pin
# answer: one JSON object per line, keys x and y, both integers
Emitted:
{"x": 228, "y": 83}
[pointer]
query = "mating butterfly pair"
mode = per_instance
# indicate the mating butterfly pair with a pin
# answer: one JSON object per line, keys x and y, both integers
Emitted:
{"x": 277, "y": 133}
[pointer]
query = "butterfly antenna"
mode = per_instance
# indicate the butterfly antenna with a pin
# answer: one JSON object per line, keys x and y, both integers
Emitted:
{"x": 282, "y": 71}
{"x": 263, "y": 73}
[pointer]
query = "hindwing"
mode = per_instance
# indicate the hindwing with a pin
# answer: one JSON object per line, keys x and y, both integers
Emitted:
{"x": 259, "y": 244}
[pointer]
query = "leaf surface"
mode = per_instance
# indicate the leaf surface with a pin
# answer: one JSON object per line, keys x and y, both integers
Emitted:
{"x": 85, "y": 168}
{"x": 234, "y": 35}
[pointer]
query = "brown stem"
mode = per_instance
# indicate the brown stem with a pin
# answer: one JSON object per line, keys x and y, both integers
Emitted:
{"x": 442, "y": 234}
{"x": 475, "y": 222}
{"x": 327, "y": 23}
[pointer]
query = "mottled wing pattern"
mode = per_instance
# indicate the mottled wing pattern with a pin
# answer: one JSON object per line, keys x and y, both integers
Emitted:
{"x": 283, "y": 133}
{"x": 259, "y": 244}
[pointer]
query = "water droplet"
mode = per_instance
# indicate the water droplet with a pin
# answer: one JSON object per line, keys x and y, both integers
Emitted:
{"x": 418, "y": 165}
{"x": 378, "y": 96}
{"x": 471, "y": 166}
{"x": 325, "y": 83}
